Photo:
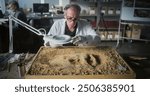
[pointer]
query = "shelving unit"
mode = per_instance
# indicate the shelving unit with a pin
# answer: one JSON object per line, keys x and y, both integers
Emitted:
{"x": 134, "y": 12}
{"x": 108, "y": 20}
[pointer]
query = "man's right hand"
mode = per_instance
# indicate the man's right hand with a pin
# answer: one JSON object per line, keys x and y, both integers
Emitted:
{"x": 77, "y": 40}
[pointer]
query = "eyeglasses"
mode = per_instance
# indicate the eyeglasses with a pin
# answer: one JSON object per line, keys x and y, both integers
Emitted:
{"x": 70, "y": 19}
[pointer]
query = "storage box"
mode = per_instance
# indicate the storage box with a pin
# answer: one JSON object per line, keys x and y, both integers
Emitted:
{"x": 110, "y": 35}
{"x": 78, "y": 63}
{"x": 134, "y": 32}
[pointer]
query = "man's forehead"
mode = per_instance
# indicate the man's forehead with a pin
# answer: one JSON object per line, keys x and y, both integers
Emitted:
{"x": 72, "y": 9}
{"x": 71, "y": 12}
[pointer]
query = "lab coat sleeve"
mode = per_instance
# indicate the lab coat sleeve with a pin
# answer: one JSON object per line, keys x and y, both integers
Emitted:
{"x": 57, "y": 27}
{"x": 53, "y": 29}
{"x": 92, "y": 38}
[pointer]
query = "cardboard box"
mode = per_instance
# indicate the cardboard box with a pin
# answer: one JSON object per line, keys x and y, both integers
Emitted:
{"x": 134, "y": 32}
{"x": 98, "y": 63}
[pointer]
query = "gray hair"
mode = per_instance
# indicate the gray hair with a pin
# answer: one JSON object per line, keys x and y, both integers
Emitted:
{"x": 14, "y": 2}
{"x": 73, "y": 6}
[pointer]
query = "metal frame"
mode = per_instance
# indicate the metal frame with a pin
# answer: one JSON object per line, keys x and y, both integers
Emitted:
{"x": 40, "y": 32}
{"x": 140, "y": 21}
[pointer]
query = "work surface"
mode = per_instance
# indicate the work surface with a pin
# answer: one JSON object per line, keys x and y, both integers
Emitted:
{"x": 129, "y": 52}
{"x": 11, "y": 65}
{"x": 72, "y": 62}
{"x": 79, "y": 62}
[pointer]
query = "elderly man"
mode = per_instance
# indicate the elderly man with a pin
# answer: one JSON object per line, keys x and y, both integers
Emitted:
{"x": 80, "y": 30}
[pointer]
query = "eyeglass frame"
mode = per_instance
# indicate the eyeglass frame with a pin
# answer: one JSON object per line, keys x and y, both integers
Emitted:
{"x": 70, "y": 19}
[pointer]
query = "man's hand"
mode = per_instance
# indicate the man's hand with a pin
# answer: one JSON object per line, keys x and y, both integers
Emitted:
{"x": 77, "y": 40}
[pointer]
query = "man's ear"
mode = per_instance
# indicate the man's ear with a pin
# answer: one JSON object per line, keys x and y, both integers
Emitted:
{"x": 65, "y": 16}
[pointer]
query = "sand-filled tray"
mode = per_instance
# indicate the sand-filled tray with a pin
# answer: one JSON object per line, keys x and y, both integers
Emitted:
{"x": 79, "y": 63}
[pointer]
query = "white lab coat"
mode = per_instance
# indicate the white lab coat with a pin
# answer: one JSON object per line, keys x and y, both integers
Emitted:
{"x": 84, "y": 29}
